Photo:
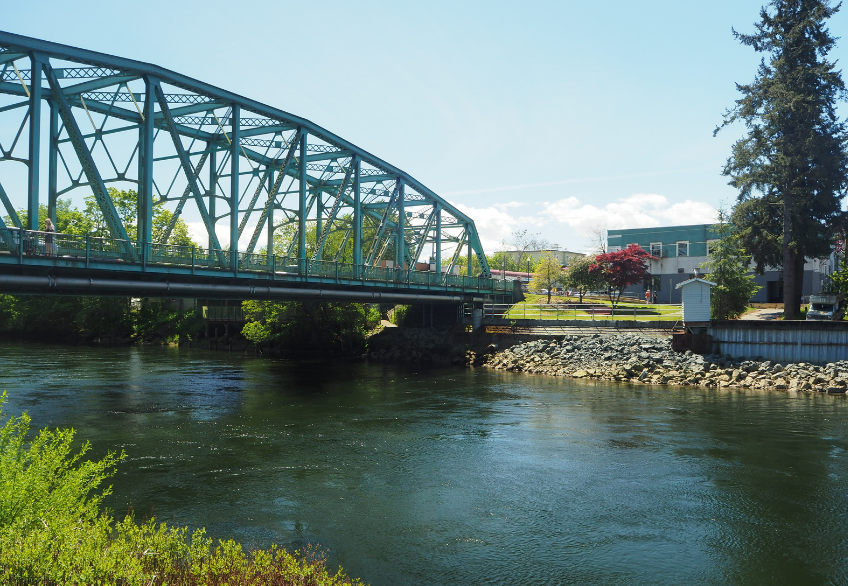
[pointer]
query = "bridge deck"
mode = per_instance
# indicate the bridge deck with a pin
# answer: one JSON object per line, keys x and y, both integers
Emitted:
{"x": 71, "y": 255}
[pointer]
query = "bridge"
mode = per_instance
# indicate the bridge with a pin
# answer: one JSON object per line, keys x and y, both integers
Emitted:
{"x": 307, "y": 213}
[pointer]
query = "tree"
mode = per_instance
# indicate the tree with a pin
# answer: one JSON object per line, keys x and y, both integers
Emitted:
{"x": 301, "y": 325}
{"x": 125, "y": 203}
{"x": 727, "y": 265}
{"x": 620, "y": 269}
{"x": 547, "y": 274}
{"x": 580, "y": 278}
{"x": 598, "y": 239}
{"x": 791, "y": 169}
{"x": 522, "y": 242}
{"x": 839, "y": 279}
{"x": 501, "y": 261}
{"x": 69, "y": 220}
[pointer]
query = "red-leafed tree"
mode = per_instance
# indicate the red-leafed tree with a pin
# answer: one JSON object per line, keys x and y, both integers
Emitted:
{"x": 622, "y": 268}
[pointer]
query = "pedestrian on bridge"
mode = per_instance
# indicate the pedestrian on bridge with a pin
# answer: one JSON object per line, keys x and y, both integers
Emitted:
{"x": 49, "y": 246}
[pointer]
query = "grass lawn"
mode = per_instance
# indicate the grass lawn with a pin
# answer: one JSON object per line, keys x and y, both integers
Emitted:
{"x": 536, "y": 307}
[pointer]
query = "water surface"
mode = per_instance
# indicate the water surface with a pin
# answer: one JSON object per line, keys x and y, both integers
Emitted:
{"x": 415, "y": 477}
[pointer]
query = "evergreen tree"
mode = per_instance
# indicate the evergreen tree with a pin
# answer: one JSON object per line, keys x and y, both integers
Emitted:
{"x": 727, "y": 265}
{"x": 790, "y": 169}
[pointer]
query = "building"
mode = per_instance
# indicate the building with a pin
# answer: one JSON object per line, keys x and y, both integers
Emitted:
{"x": 563, "y": 256}
{"x": 681, "y": 250}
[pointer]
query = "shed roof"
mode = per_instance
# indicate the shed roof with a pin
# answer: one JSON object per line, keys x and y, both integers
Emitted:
{"x": 698, "y": 280}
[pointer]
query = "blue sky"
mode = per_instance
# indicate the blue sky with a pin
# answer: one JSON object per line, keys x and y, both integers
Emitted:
{"x": 557, "y": 117}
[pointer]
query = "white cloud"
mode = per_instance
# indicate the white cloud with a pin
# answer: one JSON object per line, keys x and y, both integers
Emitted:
{"x": 570, "y": 221}
{"x": 197, "y": 230}
{"x": 495, "y": 223}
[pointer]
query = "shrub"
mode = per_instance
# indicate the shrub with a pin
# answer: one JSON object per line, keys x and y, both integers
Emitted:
{"x": 53, "y": 530}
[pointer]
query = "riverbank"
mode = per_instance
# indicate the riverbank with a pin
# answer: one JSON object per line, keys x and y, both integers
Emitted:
{"x": 648, "y": 360}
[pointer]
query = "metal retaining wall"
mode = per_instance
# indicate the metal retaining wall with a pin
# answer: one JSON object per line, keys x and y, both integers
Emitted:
{"x": 779, "y": 341}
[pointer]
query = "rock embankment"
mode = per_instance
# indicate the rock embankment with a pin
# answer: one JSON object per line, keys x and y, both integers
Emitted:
{"x": 646, "y": 360}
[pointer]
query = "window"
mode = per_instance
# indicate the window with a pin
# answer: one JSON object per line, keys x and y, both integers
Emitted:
{"x": 656, "y": 249}
{"x": 683, "y": 248}
{"x": 614, "y": 248}
{"x": 710, "y": 244}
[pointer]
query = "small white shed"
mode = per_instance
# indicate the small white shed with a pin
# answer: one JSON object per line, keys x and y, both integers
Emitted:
{"x": 695, "y": 294}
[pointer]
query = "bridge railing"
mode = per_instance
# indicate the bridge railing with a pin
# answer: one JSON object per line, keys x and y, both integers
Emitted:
{"x": 98, "y": 249}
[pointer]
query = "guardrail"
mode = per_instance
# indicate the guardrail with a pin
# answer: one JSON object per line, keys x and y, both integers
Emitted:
{"x": 580, "y": 311}
{"x": 91, "y": 249}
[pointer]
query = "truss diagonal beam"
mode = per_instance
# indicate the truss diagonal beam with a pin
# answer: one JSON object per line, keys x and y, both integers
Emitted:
{"x": 338, "y": 203}
{"x": 423, "y": 239}
{"x": 383, "y": 222}
{"x": 284, "y": 171}
{"x": 186, "y": 165}
{"x": 110, "y": 214}
{"x": 10, "y": 209}
{"x": 181, "y": 204}
{"x": 246, "y": 215}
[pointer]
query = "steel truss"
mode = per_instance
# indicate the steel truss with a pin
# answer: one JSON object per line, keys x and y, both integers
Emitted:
{"x": 279, "y": 183}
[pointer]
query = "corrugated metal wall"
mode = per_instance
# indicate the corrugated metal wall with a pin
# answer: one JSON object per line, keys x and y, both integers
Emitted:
{"x": 818, "y": 343}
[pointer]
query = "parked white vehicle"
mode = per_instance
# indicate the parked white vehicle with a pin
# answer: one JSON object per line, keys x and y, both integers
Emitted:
{"x": 825, "y": 307}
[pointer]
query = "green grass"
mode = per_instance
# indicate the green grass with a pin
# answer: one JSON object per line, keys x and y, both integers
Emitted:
{"x": 529, "y": 309}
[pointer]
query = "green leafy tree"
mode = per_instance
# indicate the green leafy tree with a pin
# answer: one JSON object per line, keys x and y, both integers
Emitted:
{"x": 126, "y": 204}
{"x": 791, "y": 168}
{"x": 727, "y": 265}
{"x": 578, "y": 276}
{"x": 501, "y": 261}
{"x": 339, "y": 239}
{"x": 300, "y": 325}
{"x": 547, "y": 274}
{"x": 69, "y": 220}
{"x": 839, "y": 279}
{"x": 179, "y": 234}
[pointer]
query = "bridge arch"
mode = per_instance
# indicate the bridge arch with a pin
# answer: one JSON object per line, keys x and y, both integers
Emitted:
{"x": 287, "y": 191}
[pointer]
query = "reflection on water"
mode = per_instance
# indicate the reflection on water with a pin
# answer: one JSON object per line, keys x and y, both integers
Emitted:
{"x": 460, "y": 476}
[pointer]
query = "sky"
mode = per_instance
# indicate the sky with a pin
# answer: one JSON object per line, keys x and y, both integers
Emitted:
{"x": 560, "y": 118}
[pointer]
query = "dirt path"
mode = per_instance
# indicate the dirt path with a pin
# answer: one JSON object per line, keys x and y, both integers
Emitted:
{"x": 763, "y": 314}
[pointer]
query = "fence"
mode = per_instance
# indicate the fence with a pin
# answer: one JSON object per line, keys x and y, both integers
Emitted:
{"x": 493, "y": 312}
{"x": 94, "y": 249}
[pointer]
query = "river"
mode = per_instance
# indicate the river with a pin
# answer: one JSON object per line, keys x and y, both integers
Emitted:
{"x": 460, "y": 477}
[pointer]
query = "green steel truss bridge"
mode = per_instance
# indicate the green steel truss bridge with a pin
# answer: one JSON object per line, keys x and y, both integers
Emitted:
{"x": 312, "y": 214}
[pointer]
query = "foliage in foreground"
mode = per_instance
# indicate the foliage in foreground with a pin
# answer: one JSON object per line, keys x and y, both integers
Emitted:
{"x": 53, "y": 530}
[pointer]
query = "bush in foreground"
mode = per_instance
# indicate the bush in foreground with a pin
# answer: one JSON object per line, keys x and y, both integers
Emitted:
{"x": 53, "y": 530}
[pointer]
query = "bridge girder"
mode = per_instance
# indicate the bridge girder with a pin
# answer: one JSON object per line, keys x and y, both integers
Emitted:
{"x": 133, "y": 125}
